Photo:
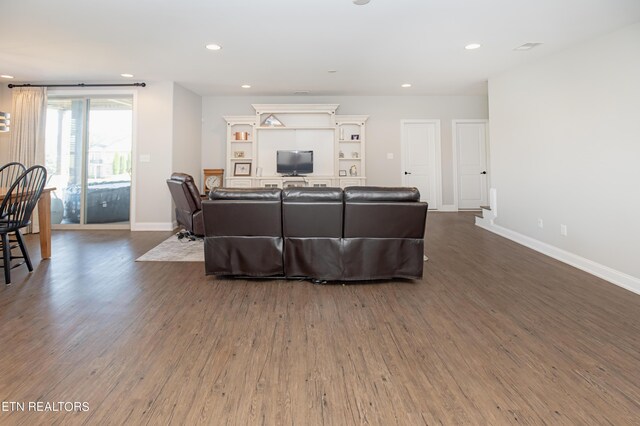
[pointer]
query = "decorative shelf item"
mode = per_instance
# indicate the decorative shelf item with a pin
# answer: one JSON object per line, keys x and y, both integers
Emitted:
{"x": 5, "y": 123}
{"x": 242, "y": 136}
{"x": 242, "y": 169}
{"x": 213, "y": 178}
{"x": 272, "y": 121}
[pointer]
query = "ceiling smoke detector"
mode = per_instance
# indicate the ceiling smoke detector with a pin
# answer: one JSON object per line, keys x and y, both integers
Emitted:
{"x": 527, "y": 46}
{"x": 360, "y": 2}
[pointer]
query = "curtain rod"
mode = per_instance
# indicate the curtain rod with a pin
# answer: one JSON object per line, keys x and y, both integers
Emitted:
{"x": 11, "y": 86}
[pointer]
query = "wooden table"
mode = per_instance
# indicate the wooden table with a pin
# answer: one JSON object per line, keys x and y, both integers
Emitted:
{"x": 44, "y": 216}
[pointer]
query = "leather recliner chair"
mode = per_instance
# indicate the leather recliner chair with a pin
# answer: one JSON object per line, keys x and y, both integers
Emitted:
{"x": 186, "y": 197}
{"x": 312, "y": 229}
{"x": 383, "y": 233}
{"x": 243, "y": 232}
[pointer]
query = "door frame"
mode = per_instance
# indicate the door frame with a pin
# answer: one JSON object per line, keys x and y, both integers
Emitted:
{"x": 438, "y": 171}
{"x": 454, "y": 143}
{"x": 88, "y": 93}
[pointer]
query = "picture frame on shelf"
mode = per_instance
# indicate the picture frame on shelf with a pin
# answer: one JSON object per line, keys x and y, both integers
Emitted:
{"x": 238, "y": 154}
{"x": 355, "y": 137}
{"x": 342, "y": 173}
{"x": 242, "y": 169}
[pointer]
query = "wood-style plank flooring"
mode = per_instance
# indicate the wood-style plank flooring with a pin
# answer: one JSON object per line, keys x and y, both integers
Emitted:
{"x": 493, "y": 334}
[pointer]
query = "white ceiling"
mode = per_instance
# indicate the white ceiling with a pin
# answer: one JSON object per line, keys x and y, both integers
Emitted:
{"x": 282, "y": 46}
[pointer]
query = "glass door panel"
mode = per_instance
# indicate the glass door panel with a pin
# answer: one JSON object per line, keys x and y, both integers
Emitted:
{"x": 88, "y": 158}
{"x": 63, "y": 158}
{"x": 108, "y": 189}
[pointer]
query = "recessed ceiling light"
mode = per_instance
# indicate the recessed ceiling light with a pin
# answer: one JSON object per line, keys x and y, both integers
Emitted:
{"x": 246, "y": 86}
{"x": 6, "y": 76}
{"x": 527, "y": 46}
{"x": 360, "y": 2}
{"x": 332, "y": 71}
{"x": 472, "y": 46}
{"x": 125, "y": 75}
{"x": 213, "y": 46}
{"x": 301, "y": 92}
{"x": 405, "y": 85}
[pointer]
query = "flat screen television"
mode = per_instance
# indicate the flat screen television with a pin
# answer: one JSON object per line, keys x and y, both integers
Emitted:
{"x": 294, "y": 162}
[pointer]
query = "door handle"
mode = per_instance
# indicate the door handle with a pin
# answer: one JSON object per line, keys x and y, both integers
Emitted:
{"x": 483, "y": 172}
{"x": 407, "y": 173}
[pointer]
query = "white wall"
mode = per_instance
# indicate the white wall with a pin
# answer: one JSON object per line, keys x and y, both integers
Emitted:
{"x": 565, "y": 148}
{"x": 383, "y": 127}
{"x": 154, "y": 137}
{"x": 187, "y": 132}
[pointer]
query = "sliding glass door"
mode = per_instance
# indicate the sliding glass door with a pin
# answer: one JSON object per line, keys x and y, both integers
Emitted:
{"x": 88, "y": 156}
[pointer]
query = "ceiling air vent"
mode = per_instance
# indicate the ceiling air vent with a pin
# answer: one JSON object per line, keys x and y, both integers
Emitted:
{"x": 527, "y": 46}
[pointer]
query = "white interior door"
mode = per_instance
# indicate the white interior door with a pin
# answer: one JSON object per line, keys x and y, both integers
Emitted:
{"x": 471, "y": 153}
{"x": 421, "y": 158}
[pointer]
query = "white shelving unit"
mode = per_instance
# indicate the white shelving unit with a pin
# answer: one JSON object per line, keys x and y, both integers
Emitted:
{"x": 239, "y": 124}
{"x": 338, "y": 143}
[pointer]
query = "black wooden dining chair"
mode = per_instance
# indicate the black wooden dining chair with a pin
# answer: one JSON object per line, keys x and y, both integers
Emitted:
{"x": 9, "y": 173}
{"x": 15, "y": 213}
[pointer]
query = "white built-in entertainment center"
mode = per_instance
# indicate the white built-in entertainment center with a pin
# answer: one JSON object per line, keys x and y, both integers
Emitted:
{"x": 337, "y": 141}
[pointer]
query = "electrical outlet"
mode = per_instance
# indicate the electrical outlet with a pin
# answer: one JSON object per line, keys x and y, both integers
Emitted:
{"x": 540, "y": 223}
{"x": 563, "y": 230}
{"x": 145, "y": 158}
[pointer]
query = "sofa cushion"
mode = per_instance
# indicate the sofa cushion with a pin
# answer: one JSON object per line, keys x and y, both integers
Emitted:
{"x": 248, "y": 194}
{"x": 374, "y": 194}
{"x": 312, "y": 194}
{"x": 312, "y": 212}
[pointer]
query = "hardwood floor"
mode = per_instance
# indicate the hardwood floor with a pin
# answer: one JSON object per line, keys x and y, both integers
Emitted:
{"x": 493, "y": 334}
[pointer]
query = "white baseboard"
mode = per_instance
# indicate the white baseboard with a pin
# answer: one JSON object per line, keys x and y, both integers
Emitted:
{"x": 618, "y": 278}
{"x": 447, "y": 208}
{"x": 152, "y": 226}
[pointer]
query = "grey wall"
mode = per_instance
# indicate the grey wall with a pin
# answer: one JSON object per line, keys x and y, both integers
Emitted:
{"x": 187, "y": 132}
{"x": 383, "y": 127}
{"x": 565, "y": 148}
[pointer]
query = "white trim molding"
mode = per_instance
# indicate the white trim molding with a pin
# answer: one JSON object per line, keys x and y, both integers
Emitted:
{"x": 618, "y": 278}
{"x": 152, "y": 226}
{"x": 448, "y": 208}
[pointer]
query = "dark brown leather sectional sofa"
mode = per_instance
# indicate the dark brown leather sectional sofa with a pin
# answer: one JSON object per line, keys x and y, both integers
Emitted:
{"x": 361, "y": 233}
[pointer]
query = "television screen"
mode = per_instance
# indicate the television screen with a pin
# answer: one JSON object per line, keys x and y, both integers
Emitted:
{"x": 294, "y": 162}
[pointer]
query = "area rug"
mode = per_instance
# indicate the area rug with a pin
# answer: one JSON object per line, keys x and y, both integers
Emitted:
{"x": 174, "y": 250}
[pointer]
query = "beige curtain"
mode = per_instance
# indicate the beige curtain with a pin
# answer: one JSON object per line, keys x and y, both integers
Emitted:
{"x": 28, "y": 117}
